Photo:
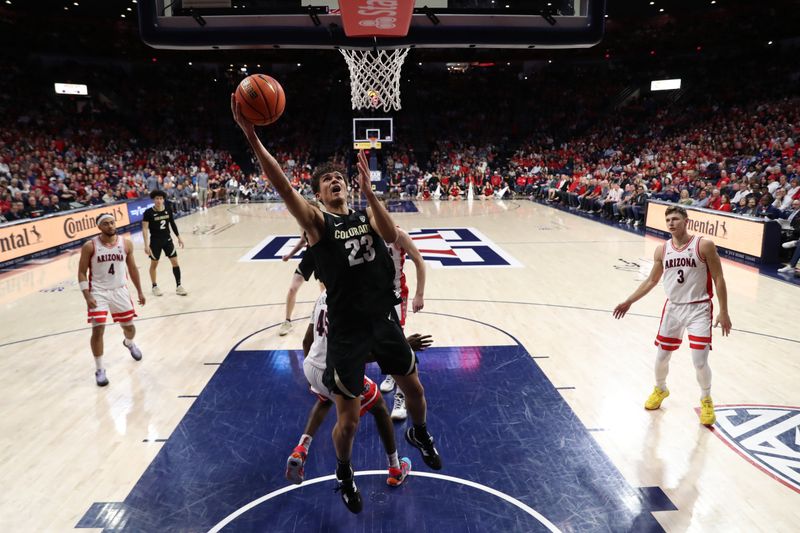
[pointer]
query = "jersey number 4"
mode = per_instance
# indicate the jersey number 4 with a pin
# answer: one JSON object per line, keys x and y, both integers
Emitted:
{"x": 322, "y": 324}
{"x": 362, "y": 245}
{"x": 111, "y": 269}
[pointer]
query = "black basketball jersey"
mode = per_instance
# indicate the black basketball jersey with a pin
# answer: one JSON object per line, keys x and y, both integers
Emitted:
{"x": 159, "y": 223}
{"x": 352, "y": 261}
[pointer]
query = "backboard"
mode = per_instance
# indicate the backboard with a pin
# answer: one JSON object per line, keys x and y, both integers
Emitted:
{"x": 317, "y": 24}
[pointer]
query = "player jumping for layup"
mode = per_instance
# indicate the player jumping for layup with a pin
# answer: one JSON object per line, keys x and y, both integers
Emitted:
{"x": 688, "y": 263}
{"x": 106, "y": 290}
{"x": 353, "y": 263}
{"x": 315, "y": 349}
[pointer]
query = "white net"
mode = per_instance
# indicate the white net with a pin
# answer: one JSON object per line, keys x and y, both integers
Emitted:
{"x": 375, "y": 77}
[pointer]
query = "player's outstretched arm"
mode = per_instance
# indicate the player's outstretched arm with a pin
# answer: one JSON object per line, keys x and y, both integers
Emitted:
{"x": 379, "y": 217}
{"x": 297, "y": 247}
{"x": 309, "y": 217}
{"x": 83, "y": 281}
{"x": 133, "y": 271}
{"x": 646, "y": 286}
{"x": 405, "y": 241}
{"x": 709, "y": 251}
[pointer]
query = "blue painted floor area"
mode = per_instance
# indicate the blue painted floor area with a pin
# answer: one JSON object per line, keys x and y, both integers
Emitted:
{"x": 497, "y": 419}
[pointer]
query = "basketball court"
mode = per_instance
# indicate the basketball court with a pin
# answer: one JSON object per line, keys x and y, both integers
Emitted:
{"x": 535, "y": 392}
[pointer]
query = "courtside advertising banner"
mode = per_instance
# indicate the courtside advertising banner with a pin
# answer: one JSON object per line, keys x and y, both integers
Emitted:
{"x": 36, "y": 235}
{"x": 731, "y": 232}
{"x": 378, "y": 18}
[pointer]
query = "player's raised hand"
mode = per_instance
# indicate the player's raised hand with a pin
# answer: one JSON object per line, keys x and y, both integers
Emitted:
{"x": 240, "y": 119}
{"x": 364, "y": 180}
{"x": 724, "y": 321}
{"x": 419, "y": 342}
{"x": 621, "y": 309}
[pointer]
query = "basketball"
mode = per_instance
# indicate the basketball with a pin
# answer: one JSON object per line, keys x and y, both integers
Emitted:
{"x": 261, "y": 99}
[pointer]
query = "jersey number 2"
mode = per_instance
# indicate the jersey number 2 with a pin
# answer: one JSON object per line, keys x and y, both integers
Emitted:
{"x": 163, "y": 224}
{"x": 356, "y": 245}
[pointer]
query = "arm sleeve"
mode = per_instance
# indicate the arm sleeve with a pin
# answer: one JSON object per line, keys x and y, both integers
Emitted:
{"x": 172, "y": 224}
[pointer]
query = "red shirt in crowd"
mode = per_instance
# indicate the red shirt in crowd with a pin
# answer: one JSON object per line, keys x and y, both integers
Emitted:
{"x": 497, "y": 180}
{"x": 715, "y": 203}
{"x": 725, "y": 207}
{"x": 487, "y": 191}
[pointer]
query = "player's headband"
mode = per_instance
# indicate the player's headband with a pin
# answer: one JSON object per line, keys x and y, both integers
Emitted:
{"x": 102, "y": 217}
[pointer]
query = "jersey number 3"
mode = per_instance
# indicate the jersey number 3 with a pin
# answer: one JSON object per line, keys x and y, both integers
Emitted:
{"x": 363, "y": 245}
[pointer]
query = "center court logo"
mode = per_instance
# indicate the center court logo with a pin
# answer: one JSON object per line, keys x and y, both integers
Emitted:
{"x": 440, "y": 247}
{"x": 767, "y": 436}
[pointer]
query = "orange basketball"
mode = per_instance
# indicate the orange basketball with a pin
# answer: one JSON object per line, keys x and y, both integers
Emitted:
{"x": 261, "y": 99}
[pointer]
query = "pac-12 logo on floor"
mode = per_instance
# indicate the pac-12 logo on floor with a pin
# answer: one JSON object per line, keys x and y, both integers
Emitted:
{"x": 767, "y": 436}
{"x": 440, "y": 247}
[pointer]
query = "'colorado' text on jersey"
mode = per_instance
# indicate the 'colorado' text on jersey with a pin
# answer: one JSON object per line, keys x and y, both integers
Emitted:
{"x": 686, "y": 276}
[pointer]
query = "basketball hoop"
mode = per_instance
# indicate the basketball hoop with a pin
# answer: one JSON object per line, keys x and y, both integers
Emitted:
{"x": 375, "y": 77}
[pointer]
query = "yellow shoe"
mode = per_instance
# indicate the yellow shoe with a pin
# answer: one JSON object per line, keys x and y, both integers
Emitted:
{"x": 707, "y": 416}
{"x": 655, "y": 399}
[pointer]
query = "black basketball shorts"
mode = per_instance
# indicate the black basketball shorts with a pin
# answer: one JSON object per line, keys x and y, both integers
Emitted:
{"x": 352, "y": 344}
{"x": 165, "y": 245}
{"x": 306, "y": 266}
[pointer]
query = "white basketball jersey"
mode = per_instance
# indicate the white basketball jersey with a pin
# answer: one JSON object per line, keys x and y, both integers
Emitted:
{"x": 686, "y": 276}
{"x": 398, "y": 254}
{"x": 107, "y": 267}
{"x": 319, "y": 322}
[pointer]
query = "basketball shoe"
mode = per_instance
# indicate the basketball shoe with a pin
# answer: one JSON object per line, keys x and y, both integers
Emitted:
{"x": 136, "y": 353}
{"x": 426, "y": 448}
{"x": 180, "y": 291}
{"x": 157, "y": 291}
{"x": 655, "y": 398}
{"x": 285, "y": 328}
{"x": 707, "y": 416}
{"x": 399, "y": 411}
{"x": 387, "y": 385}
{"x": 398, "y": 475}
{"x": 295, "y": 465}
{"x": 100, "y": 377}
{"x": 350, "y": 493}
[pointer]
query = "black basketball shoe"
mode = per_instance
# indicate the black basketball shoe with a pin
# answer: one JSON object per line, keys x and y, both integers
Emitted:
{"x": 350, "y": 494}
{"x": 426, "y": 447}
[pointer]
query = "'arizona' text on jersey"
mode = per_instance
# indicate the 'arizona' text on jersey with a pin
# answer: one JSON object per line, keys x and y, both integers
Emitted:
{"x": 686, "y": 276}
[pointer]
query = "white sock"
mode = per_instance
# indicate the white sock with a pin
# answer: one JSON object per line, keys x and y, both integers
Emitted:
{"x": 662, "y": 368}
{"x": 127, "y": 342}
{"x": 703, "y": 371}
{"x": 393, "y": 461}
{"x": 98, "y": 362}
{"x": 305, "y": 441}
